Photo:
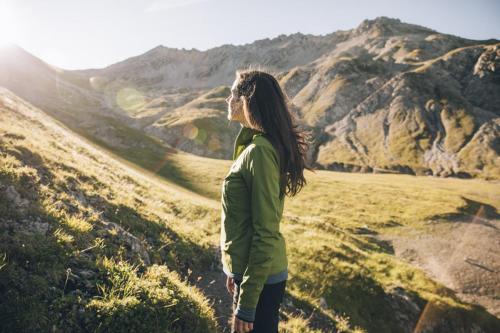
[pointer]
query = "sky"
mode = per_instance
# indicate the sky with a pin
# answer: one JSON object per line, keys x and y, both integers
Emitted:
{"x": 75, "y": 34}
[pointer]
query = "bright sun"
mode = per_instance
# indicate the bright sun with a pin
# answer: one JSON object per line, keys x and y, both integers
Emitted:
{"x": 7, "y": 25}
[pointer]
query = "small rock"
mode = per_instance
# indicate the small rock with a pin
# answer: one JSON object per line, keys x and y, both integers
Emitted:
{"x": 15, "y": 197}
{"x": 322, "y": 303}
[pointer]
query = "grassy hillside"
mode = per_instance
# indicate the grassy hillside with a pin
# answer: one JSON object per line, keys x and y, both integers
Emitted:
{"x": 88, "y": 241}
{"x": 138, "y": 150}
{"x": 88, "y": 244}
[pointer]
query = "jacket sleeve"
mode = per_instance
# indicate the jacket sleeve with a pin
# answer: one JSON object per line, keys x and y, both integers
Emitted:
{"x": 261, "y": 173}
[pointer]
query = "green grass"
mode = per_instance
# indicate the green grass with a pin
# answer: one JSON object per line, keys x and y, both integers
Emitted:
{"x": 92, "y": 247}
{"x": 68, "y": 270}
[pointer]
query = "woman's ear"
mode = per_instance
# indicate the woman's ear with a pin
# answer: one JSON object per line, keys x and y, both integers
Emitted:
{"x": 246, "y": 111}
{"x": 244, "y": 104}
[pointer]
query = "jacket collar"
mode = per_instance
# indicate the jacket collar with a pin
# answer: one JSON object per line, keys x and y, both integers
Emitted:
{"x": 244, "y": 137}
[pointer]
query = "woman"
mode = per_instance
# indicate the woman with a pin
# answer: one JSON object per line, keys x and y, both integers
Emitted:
{"x": 269, "y": 160}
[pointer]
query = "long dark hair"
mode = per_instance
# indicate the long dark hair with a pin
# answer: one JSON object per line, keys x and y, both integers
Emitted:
{"x": 266, "y": 109}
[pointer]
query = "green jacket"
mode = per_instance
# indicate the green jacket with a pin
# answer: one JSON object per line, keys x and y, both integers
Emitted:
{"x": 253, "y": 249}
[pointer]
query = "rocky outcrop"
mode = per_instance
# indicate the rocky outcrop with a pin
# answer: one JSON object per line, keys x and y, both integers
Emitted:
{"x": 424, "y": 121}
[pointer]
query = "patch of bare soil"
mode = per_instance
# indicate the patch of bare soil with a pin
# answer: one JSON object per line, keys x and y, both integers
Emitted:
{"x": 213, "y": 285}
{"x": 463, "y": 254}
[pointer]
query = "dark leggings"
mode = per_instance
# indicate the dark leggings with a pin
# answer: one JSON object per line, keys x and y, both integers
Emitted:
{"x": 267, "y": 312}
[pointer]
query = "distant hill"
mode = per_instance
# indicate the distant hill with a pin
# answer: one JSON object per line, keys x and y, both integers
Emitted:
{"x": 386, "y": 96}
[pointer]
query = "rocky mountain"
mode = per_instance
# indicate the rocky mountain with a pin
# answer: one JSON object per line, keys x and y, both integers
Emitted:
{"x": 55, "y": 89}
{"x": 166, "y": 68}
{"x": 405, "y": 99}
{"x": 66, "y": 95}
{"x": 437, "y": 117}
{"x": 386, "y": 96}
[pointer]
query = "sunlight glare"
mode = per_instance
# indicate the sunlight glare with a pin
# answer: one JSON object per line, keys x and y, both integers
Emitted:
{"x": 7, "y": 25}
{"x": 130, "y": 99}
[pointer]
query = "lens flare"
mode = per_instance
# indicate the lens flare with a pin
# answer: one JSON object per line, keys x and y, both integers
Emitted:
{"x": 202, "y": 136}
{"x": 214, "y": 144}
{"x": 97, "y": 82}
{"x": 190, "y": 131}
{"x": 130, "y": 99}
{"x": 434, "y": 310}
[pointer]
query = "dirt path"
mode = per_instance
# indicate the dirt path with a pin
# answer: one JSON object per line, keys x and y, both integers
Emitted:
{"x": 463, "y": 254}
{"x": 213, "y": 285}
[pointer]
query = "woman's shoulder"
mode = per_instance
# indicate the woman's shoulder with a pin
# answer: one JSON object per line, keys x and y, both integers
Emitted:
{"x": 262, "y": 141}
{"x": 262, "y": 149}
{"x": 260, "y": 144}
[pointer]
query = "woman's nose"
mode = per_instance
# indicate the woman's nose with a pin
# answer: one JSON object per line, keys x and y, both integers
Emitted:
{"x": 227, "y": 99}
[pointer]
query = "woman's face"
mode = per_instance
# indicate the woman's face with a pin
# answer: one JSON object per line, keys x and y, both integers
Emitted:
{"x": 235, "y": 106}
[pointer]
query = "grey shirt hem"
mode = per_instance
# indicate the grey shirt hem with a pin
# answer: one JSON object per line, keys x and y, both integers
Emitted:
{"x": 273, "y": 278}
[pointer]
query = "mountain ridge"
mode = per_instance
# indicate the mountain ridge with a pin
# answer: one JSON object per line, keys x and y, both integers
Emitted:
{"x": 326, "y": 77}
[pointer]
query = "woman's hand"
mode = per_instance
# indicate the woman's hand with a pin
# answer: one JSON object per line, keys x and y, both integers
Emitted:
{"x": 241, "y": 326}
{"x": 230, "y": 285}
